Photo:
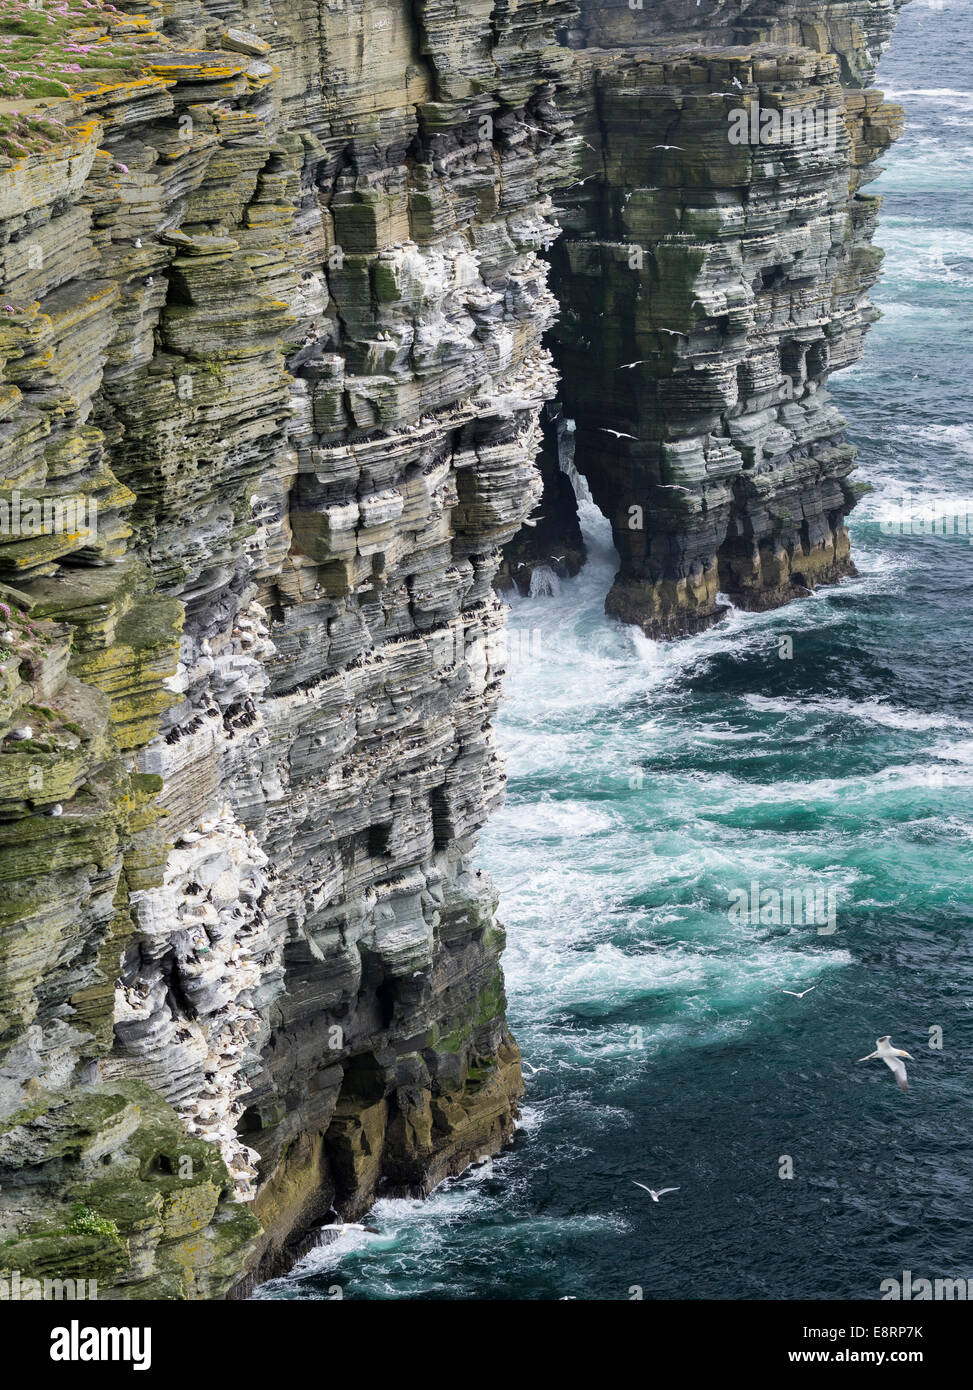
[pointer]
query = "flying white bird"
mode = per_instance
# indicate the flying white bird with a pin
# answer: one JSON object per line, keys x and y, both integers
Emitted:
{"x": 619, "y": 434}
{"x": 799, "y": 993}
{"x": 532, "y": 1069}
{"x": 653, "y": 1193}
{"x": 737, "y": 83}
{"x": 667, "y": 147}
{"x": 627, "y": 365}
{"x": 891, "y": 1057}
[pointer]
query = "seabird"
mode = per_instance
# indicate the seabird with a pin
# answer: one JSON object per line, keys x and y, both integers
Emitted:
{"x": 22, "y": 731}
{"x": 799, "y": 993}
{"x": 653, "y": 1193}
{"x": 533, "y": 1070}
{"x": 627, "y": 365}
{"x": 56, "y": 810}
{"x": 667, "y": 147}
{"x": 619, "y": 434}
{"x": 891, "y": 1057}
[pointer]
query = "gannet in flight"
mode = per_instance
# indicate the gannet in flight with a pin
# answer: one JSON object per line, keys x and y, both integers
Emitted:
{"x": 627, "y": 365}
{"x": 619, "y": 434}
{"x": 653, "y": 1193}
{"x": 800, "y": 993}
{"x": 891, "y": 1057}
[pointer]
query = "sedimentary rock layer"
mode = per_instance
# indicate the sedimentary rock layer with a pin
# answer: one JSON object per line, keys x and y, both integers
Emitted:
{"x": 713, "y": 273}
{"x": 273, "y": 299}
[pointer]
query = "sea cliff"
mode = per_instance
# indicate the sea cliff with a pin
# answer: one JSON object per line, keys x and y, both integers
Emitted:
{"x": 276, "y": 284}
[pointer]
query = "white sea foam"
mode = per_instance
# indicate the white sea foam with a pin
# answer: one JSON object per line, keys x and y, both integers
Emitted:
{"x": 955, "y": 436}
{"x": 872, "y": 711}
{"x": 951, "y": 96}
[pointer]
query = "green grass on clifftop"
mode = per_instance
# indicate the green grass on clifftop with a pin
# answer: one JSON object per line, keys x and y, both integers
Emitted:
{"x": 60, "y": 48}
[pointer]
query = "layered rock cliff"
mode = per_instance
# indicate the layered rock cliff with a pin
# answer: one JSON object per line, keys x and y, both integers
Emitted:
{"x": 274, "y": 293}
{"x": 713, "y": 273}
{"x": 273, "y": 299}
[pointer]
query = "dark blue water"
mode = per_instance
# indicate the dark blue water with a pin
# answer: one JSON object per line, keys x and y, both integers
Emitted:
{"x": 648, "y": 782}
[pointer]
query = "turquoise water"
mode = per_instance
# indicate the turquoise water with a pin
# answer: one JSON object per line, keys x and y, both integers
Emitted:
{"x": 647, "y": 782}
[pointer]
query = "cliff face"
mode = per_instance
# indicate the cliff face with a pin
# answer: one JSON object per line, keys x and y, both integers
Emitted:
{"x": 273, "y": 300}
{"x": 270, "y": 336}
{"x": 713, "y": 273}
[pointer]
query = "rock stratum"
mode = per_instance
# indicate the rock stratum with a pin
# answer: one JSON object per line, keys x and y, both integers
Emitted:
{"x": 709, "y": 286}
{"x": 275, "y": 407}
